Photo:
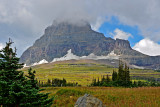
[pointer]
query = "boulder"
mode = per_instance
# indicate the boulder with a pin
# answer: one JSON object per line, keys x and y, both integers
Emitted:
{"x": 88, "y": 101}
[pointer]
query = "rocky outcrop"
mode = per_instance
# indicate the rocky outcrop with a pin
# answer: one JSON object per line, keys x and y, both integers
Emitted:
{"x": 122, "y": 44}
{"x": 82, "y": 40}
{"x": 88, "y": 101}
{"x": 59, "y": 38}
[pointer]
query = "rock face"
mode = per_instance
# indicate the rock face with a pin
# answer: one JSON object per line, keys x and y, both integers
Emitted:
{"x": 59, "y": 38}
{"x": 82, "y": 40}
{"x": 88, "y": 101}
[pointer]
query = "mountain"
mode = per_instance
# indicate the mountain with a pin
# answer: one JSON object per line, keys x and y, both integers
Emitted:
{"x": 83, "y": 41}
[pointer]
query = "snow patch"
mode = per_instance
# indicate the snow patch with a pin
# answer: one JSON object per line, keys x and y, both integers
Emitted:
{"x": 92, "y": 56}
{"x": 68, "y": 56}
{"x": 40, "y": 62}
{"x": 25, "y": 66}
{"x": 138, "y": 67}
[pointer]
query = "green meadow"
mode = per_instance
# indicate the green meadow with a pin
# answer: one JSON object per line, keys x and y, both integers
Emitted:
{"x": 83, "y": 73}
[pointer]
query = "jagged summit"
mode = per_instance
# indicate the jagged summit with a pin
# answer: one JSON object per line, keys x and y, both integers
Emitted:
{"x": 67, "y": 28}
{"x": 82, "y": 40}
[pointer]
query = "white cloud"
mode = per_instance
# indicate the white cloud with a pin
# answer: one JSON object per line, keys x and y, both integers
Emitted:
{"x": 98, "y": 23}
{"x": 30, "y": 17}
{"x": 1, "y": 46}
{"x": 120, "y": 34}
{"x": 148, "y": 47}
{"x": 36, "y": 14}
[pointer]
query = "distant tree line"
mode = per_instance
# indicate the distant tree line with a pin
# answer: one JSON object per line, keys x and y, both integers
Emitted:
{"x": 150, "y": 79}
{"x": 121, "y": 79}
{"x": 158, "y": 70}
{"x": 55, "y": 82}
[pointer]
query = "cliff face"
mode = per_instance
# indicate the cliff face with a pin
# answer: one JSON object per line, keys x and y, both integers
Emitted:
{"x": 59, "y": 38}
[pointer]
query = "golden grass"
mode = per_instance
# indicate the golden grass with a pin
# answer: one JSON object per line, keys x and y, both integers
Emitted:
{"x": 83, "y": 73}
{"x": 110, "y": 96}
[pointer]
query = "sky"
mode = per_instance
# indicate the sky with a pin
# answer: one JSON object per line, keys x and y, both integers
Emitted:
{"x": 137, "y": 21}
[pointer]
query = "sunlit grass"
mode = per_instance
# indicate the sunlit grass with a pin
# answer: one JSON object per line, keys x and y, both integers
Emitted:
{"x": 110, "y": 96}
{"x": 82, "y": 73}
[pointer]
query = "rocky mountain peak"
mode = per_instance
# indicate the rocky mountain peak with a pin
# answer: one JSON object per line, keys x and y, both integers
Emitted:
{"x": 67, "y": 28}
{"x": 122, "y": 44}
{"x": 82, "y": 40}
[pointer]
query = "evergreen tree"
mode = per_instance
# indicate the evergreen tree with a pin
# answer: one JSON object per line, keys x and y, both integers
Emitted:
{"x": 123, "y": 75}
{"x": 11, "y": 80}
{"x": 64, "y": 82}
{"x": 114, "y": 76}
{"x": 33, "y": 97}
{"x": 108, "y": 79}
{"x": 120, "y": 72}
{"x": 48, "y": 82}
{"x": 103, "y": 78}
{"x": 31, "y": 78}
{"x": 98, "y": 82}
{"x": 134, "y": 84}
{"x": 93, "y": 82}
{"x": 127, "y": 75}
{"x": 15, "y": 89}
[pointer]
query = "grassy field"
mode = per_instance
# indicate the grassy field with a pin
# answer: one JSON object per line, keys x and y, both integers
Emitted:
{"x": 110, "y": 96}
{"x": 83, "y": 73}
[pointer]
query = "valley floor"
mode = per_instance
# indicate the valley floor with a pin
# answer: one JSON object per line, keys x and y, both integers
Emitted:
{"x": 110, "y": 96}
{"x": 83, "y": 73}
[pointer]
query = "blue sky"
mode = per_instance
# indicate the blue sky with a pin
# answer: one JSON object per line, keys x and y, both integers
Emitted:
{"x": 109, "y": 27}
{"x": 114, "y": 28}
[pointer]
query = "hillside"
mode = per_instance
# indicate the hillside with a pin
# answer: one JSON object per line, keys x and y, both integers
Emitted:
{"x": 83, "y": 71}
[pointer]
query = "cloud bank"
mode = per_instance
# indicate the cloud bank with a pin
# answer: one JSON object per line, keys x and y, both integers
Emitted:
{"x": 27, "y": 19}
{"x": 148, "y": 47}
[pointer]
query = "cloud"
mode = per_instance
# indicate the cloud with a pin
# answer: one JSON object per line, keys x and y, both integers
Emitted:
{"x": 120, "y": 34}
{"x": 1, "y": 46}
{"x": 27, "y": 19}
{"x": 31, "y": 13}
{"x": 98, "y": 23}
{"x": 148, "y": 47}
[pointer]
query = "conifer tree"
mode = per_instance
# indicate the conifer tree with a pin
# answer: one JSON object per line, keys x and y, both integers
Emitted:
{"x": 11, "y": 80}
{"x": 64, "y": 82}
{"x": 120, "y": 72}
{"x": 98, "y": 82}
{"x": 127, "y": 75}
{"x": 114, "y": 76}
{"x": 94, "y": 82}
{"x": 123, "y": 75}
{"x": 33, "y": 97}
{"x": 49, "y": 82}
{"x": 107, "y": 79}
{"x": 103, "y": 78}
{"x": 15, "y": 89}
